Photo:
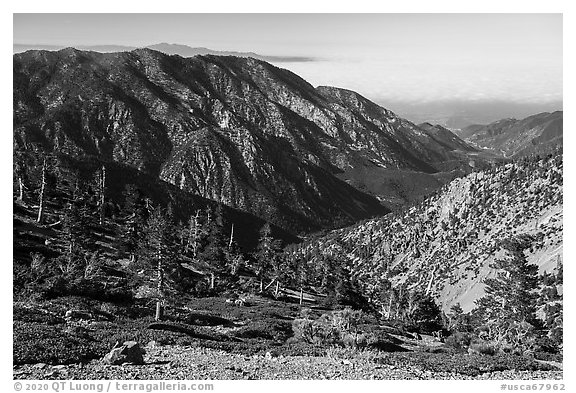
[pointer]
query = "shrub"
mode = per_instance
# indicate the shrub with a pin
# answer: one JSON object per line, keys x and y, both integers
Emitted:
{"x": 34, "y": 343}
{"x": 459, "y": 341}
{"x": 268, "y": 329}
{"x": 348, "y": 353}
{"x": 354, "y": 340}
{"x": 482, "y": 347}
{"x": 303, "y": 329}
{"x": 28, "y": 314}
{"x": 346, "y": 320}
{"x": 471, "y": 365}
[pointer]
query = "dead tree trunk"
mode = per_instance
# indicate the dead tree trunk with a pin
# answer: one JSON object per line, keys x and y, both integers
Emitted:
{"x": 20, "y": 189}
{"x": 231, "y": 236}
{"x": 389, "y": 311}
{"x": 429, "y": 286}
{"x": 193, "y": 235}
{"x": 41, "y": 198}
{"x": 102, "y": 194}
{"x": 160, "y": 289}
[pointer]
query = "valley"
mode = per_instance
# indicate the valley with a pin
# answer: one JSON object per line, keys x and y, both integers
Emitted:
{"x": 222, "y": 208}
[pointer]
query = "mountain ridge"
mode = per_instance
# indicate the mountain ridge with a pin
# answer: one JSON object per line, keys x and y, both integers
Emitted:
{"x": 294, "y": 141}
{"x": 445, "y": 244}
{"x": 539, "y": 133}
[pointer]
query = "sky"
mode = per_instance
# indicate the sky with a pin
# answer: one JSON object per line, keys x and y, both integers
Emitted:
{"x": 403, "y": 61}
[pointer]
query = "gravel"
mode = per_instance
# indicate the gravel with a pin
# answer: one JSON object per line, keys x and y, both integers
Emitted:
{"x": 196, "y": 363}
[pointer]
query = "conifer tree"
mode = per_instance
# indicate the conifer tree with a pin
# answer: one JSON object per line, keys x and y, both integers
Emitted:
{"x": 135, "y": 217}
{"x": 158, "y": 253}
{"x": 76, "y": 231}
{"x": 509, "y": 306}
{"x": 213, "y": 253}
{"x": 267, "y": 255}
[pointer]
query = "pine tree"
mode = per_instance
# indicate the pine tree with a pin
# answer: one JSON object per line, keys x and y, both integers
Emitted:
{"x": 509, "y": 306}
{"x": 158, "y": 253}
{"x": 135, "y": 217}
{"x": 267, "y": 258}
{"x": 213, "y": 253}
{"x": 552, "y": 303}
{"x": 458, "y": 321}
{"x": 424, "y": 313}
{"x": 76, "y": 231}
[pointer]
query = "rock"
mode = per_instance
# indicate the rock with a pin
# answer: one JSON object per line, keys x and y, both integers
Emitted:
{"x": 39, "y": 365}
{"x": 78, "y": 314}
{"x": 129, "y": 352}
{"x": 152, "y": 344}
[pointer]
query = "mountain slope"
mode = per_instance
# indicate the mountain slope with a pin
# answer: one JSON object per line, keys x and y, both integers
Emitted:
{"x": 237, "y": 130}
{"x": 445, "y": 244}
{"x": 539, "y": 133}
{"x": 32, "y": 237}
{"x": 446, "y": 137}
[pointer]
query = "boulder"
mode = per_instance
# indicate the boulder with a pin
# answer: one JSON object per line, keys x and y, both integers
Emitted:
{"x": 129, "y": 352}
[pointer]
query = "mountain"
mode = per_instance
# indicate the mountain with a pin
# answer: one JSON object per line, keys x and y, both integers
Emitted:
{"x": 446, "y": 137}
{"x": 446, "y": 244}
{"x": 169, "y": 49}
{"x": 511, "y": 137}
{"x": 18, "y": 48}
{"x": 458, "y": 114}
{"x": 235, "y": 130}
{"x": 188, "y": 51}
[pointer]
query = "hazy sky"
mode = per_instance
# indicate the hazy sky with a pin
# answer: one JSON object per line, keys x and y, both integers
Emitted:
{"x": 387, "y": 57}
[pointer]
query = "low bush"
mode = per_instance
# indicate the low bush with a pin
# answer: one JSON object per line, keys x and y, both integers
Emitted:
{"x": 35, "y": 343}
{"x": 32, "y": 314}
{"x": 269, "y": 329}
{"x": 470, "y": 365}
{"x": 482, "y": 347}
{"x": 459, "y": 341}
{"x": 382, "y": 341}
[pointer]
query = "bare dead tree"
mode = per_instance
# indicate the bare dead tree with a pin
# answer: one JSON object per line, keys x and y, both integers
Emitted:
{"x": 41, "y": 198}
{"x": 102, "y": 194}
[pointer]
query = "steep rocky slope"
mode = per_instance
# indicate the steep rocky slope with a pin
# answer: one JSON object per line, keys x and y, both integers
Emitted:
{"x": 445, "y": 244}
{"x": 539, "y": 133}
{"x": 236, "y": 130}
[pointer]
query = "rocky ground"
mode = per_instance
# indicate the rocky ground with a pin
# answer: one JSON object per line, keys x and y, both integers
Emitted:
{"x": 195, "y": 363}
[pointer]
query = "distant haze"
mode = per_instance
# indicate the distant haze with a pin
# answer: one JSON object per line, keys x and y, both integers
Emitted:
{"x": 453, "y": 69}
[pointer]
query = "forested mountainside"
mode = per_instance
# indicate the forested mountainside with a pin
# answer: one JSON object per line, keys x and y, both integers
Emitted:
{"x": 104, "y": 196}
{"x": 537, "y": 134}
{"x": 235, "y": 130}
{"x": 446, "y": 245}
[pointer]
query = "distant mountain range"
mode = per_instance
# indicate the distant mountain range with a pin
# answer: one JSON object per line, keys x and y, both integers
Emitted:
{"x": 236, "y": 130}
{"x": 511, "y": 137}
{"x": 169, "y": 49}
{"x": 458, "y": 114}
